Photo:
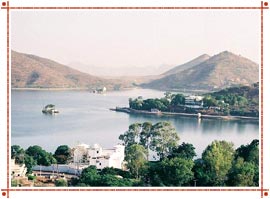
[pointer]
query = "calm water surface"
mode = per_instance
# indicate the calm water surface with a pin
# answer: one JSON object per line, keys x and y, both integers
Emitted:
{"x": 85, "y": 117}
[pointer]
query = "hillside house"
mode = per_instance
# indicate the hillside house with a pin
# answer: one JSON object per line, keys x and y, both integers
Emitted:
{"x": 17, "y": 170}
{"x": 98, "y": 156}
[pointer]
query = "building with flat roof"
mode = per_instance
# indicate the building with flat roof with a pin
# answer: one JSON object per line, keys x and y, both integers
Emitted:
{"x": 194, "y": 101}
{"x": 98, "y": 156}
{"x": 17, "y": 169}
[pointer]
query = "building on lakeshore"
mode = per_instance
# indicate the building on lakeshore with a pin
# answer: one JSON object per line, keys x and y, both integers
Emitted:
{"x": 17, "y": 170}
{"x": 83, "y": 157}
{"x": 155, "y": 110}
{"x": 98, "y": 156}
{"x": 194, "y": 101}
{"x": 100, "y": 90}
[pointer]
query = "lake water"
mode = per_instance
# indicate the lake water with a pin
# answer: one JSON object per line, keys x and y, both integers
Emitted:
{"x": 85, "y": 118}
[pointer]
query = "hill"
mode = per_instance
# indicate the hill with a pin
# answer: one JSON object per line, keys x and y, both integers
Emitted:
{"x": 187, "y": 65}
{"x": 241, "y": 100}
{"x": 219, "y": 71}
{"x": 250, "y": 92}
{"x": 30, "y": 71}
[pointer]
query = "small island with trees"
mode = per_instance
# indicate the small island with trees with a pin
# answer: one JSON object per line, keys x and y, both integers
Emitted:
{"x": 231, "y": 103}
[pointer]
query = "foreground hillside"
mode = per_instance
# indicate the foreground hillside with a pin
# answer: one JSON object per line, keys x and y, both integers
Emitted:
{"x": 219, "y": 71}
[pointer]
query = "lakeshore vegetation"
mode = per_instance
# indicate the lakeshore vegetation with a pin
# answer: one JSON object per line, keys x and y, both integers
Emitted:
{"x": 234, "y": 101}
{"x": 175, "y": 164}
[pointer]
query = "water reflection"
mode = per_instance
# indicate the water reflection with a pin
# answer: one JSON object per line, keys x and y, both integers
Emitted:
{"x": 205, "y": 126}
{"x": 85, "y": 117}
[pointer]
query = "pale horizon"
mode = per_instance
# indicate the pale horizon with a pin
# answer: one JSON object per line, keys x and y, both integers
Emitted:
{"x": 116, "y": 39}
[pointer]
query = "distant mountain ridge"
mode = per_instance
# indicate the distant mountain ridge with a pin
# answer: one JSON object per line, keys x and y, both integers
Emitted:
{"x": 202, "y": 73}
{"x": 217, "y": 72}
{"x": 31, "y": 71}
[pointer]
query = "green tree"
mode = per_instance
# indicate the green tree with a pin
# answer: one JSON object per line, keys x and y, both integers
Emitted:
{"x": 164, "y": 139}
{"x": 168, "y": 95}
{"x": 176, "y": 171}
{"x": 242, "y": 173}
{"x": 115, "y": 171}
{"x": 114, "y": 181}
{"x": 209, "y": 101}
{"x": 61, "y": 183}
{"x": 250, "y": 153}
{"x": 90, "y": 176}
{"x": 136, "y": 103}
{"x": 145, "y": 136}
{"x": 29, "y": 162}
{"x": 161, "y": 104}
{"x": 18, "y": 154}
{"x": 153, "y": 174}
{"x": 242, "y": 101}
{"x": 136, "y": 157}
{"x": 216, "y": 162}
{"x": 40, "y": 156}
{"x": 51, "y": 158}
{"x": 178, "y": 100}
{"x": 14, "y": 182}
{"x": 132, "y": 136}
{"x": 62, "y": 154}
{"x": 185, "y": 150}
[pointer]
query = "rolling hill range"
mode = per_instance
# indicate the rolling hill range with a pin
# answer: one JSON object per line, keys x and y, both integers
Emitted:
{"x": 217, "y": 72}
{"x": 30, "y": 71}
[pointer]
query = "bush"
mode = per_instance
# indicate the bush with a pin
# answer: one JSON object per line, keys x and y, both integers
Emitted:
{"x": 60, "y": 183}
{"x": 31, "y": 177}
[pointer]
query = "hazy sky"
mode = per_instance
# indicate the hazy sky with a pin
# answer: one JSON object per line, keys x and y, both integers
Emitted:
{"x": 116, "y": 38}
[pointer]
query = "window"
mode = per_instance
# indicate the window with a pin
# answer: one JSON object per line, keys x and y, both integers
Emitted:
{"x": 97, "y": 151}
{"x": 100, "y": 163}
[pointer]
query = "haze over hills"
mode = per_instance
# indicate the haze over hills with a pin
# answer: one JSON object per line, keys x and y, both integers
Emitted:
{"x": 121, "y": 70}
{"x": 202, "y": 73}
{"x": 30, "y": 71}
{"x": 217, "y": 72}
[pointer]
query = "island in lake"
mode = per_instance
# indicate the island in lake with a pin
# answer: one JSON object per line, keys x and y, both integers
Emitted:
{"x": 231, "y": 103}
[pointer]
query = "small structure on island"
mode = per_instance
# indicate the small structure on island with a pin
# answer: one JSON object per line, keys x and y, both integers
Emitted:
{"x": 98, "y": 156}
{"x": 100, "y": 90}
{"x": 193, "y": 101}
{"x": 50, "y": 108}
{"x": 155, "y": 111}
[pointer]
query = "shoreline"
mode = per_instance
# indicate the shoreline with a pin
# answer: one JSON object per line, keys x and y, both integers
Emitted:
{"x": 48, "y": 89}
{"x": 64, "y": 89}
{"x": 201, "y": 116}
{"x": 85, "y": 89}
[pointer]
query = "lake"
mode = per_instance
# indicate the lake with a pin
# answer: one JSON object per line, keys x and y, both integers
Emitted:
{"x": 85, "y": 118}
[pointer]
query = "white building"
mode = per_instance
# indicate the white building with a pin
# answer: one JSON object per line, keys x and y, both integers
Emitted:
{"x": 99, "y": 157}
{"x": 80, "y": 153}
{"x": 194, "y": 101}
{"x": 16, "y": 169}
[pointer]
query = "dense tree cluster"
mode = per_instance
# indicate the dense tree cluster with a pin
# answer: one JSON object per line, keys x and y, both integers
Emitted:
{"x": 106, "y": 177}
{"x": 35, "y": 155}
{"x": 242, "y": 100}
{"x": 167, "y": 103}
{"x": 237, "y": 101}
{"x": 220, "y": 164}
{"x": 160, "y": 137}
